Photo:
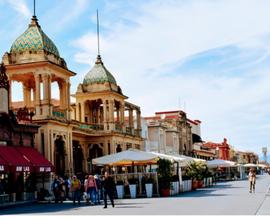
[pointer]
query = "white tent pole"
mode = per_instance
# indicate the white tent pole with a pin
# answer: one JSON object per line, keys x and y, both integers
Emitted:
{"x": 180, "y": 179}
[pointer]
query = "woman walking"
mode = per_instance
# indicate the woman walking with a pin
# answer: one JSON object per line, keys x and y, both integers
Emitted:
{"x": 91, "y": 188}
{"x": 252, "y": 180}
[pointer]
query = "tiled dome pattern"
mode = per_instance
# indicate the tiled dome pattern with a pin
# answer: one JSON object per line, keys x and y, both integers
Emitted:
{"x": 34, "y": 39}
{"x": 98, "y": 74}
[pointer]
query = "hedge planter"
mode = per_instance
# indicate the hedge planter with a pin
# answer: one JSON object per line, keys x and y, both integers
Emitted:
{"x": 120, "y": 191}
{"x": 149, "y": 190}
{"x": 132, "y": 189}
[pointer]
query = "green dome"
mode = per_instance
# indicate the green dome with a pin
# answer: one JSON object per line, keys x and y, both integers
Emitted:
{"x": 98, "y": 74}
{"x": 34, "y": 39}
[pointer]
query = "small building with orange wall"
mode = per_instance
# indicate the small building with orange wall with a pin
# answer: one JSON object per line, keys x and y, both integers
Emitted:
{"x": 222, "y": 149}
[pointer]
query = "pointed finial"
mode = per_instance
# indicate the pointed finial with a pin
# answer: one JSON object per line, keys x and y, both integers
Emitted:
{"x": 98, "y": 56}
{"x": 34, "y": 20}
{"x": 34, "y": 8}
{"x": 98, "y": 32}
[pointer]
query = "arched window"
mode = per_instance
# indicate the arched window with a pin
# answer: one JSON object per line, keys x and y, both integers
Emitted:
{"x": 118, "y": 149}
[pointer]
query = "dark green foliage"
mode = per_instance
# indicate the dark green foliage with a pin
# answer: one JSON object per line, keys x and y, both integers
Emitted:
{"x": 164, "y": 173}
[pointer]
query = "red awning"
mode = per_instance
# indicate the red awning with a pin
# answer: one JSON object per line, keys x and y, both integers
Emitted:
{"x": 40, "y": 163}
{"x": 3, "y": 165}
{"x": 15, "y": 159}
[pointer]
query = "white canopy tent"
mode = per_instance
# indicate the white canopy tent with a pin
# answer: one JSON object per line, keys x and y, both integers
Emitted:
{"x": 250, "y": 165}
{"x": 182, "y": 160}
{"x": 128, "y": 157}
{"x": 220, "y": 163}
{"x": 262, "y": 165}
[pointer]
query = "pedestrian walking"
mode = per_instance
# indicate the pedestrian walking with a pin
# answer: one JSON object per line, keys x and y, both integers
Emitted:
{"x": 252, "y": 180}
{"x": 75, "y": 189}
{"x": 91, "y": 189}
{"x": 56, "y": 189}
{"x": 109, "y": 187}
{"x": 62, "y": 189}
{"x": 99, "y": 188}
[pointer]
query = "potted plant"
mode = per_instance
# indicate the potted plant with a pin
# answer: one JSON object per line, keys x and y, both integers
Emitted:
{"x": 195, "y": 171}
{"x": 133, "y": 187}
{"x": 120, "y": 189}
{"x": 164, "y": 176}
{"x": 149, "y": 187}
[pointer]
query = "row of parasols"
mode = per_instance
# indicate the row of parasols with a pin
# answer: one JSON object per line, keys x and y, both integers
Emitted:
{"x": 133, "y": 157}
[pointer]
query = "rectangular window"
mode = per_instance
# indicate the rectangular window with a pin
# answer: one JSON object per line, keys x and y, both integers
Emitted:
{"x": 42, "y": 144}
{"x": 109, "y": 148}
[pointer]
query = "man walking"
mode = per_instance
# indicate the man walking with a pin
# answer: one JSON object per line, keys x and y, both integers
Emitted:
{"x": 109, "y": 187}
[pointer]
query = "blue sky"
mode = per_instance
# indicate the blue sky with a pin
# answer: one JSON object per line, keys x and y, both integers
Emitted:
{"x": 210, "y": 58}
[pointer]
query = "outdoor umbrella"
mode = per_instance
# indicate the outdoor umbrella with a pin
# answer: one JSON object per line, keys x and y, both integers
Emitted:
{"x": 182, "y": 160}
{"x": 220, "y": 163}
{"x": 250, "y": 165}
{"x": 126, "y": 158}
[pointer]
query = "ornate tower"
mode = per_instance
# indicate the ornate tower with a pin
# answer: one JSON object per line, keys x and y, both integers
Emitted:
{"x": 35, "y": 62}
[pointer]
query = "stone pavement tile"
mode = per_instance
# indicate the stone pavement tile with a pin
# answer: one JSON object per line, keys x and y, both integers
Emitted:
{"x": 265, "y": 207}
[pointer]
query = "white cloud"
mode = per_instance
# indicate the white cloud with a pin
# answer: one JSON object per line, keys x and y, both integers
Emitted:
{"x": 164, "y": 34}
{"x": 20, "y": 6}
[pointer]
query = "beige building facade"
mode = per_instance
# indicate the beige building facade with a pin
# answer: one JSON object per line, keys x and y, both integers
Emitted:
{"x": 170, "y": 132}
{"x": 70, "y": 134}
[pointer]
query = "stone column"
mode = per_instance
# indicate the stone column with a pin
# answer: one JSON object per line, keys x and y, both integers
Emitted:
{"x": 10, "y": 94}
{"x": 37, "y": 94}
{"x": 77, "y": 116}
{"x": 105, "y": 115}
{"x": 131, "y": 122}
{"x": 83, "y": 112}
{"x": 138, "y": 115}
{"x": 122, "y": 115}
{"x": 60, "y": 85}
{"x": 46, "y": 79}
{"x": 111, "y": 114}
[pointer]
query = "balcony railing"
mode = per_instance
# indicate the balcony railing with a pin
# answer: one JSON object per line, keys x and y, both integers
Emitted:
{"x": 137, "y": 132}
{"x": 99, "y": 127}
{"x": 129, "y": 130}
{"x": 118, "y": 127}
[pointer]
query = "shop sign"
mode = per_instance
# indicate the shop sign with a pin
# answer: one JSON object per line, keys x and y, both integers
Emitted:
{"x": 24, "y": 169}
{"x": 44, "y": 169}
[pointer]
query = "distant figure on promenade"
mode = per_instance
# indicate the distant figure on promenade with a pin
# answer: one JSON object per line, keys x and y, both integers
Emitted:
{"x": 109, "y": 187}
{"x": 75, "y": 188}
{"x": 56, "y": 189}
{"x": 99, "y": 188}
{"x": 252, "y": 180}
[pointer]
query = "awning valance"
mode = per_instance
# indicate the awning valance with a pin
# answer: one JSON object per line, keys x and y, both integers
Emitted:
{"x": 39, "y": 162}
{"x": 16, "y": 162}
{"x": 3, "y": 165}
{"x": 23, "y": 159}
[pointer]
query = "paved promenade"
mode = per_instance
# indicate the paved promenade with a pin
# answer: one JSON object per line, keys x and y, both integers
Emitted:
{"x": 227, "y": 198}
